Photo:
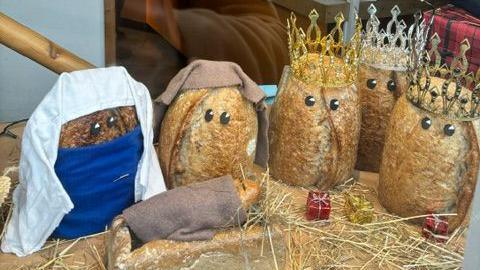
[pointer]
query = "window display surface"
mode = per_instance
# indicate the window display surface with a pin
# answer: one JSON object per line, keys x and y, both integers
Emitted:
{"x": 278, "y": 224}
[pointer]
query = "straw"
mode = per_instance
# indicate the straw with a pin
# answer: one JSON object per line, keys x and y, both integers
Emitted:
{"x": 389, "y": 242}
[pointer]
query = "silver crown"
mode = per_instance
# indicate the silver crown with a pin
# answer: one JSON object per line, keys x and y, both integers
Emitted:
{"x": 387, "y": 48}
{"x": 452, "y": 99}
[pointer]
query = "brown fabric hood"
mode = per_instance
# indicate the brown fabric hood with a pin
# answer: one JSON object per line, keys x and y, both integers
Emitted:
{"x": 213, "y": 74}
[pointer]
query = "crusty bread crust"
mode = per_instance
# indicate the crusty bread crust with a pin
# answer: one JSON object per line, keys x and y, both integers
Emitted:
{"x": 226, "y": 250}
{"x": 192, "y": 149}
{"x": 376, "y": 104}
{"x": 314, "y": 145}
{"x": 425, "y": 171}
{"x": 248, "y": 192}
{"x": 76, "y": 133}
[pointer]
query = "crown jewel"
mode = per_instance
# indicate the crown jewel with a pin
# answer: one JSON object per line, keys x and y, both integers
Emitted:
{"x": 450, "y": 91}
{"x": 386, "y": 48}
{"x": 325, "y": 60}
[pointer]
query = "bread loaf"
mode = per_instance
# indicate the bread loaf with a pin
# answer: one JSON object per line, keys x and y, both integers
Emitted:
{"x": 425, "y": 170}
{"x": 314, "y": 133}
{"x": 98, "y": 127}
{"x": 232, "y": 249}
{"x": 207, "y": 133}
{"x": 378, "y": 89}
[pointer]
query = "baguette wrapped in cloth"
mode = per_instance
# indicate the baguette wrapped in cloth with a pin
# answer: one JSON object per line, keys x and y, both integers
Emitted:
{"x": 193, "y": 212}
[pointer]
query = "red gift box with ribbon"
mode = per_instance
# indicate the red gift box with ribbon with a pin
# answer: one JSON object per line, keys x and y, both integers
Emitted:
{"x": 318, "y": 205}
{"x": 435, "y": 228}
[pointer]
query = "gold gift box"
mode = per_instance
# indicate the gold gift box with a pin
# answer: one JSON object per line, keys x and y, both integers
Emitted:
{"x": 358, "y": 209}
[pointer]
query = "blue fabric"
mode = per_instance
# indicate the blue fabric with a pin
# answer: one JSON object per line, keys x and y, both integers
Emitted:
{"x": 100, "y": 180}
{"x": 270, "y": 91}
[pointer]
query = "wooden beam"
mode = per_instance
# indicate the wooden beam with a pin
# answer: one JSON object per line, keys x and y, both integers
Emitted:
{"x": 110, "y": 32}
{"x": 33, "y": 45}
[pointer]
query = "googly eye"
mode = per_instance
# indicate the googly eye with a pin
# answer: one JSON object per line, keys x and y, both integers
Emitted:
{"x": 209, "y": 115}
{"x": 371, "y": 83}
{"x": 95, "y": 129}
{"x": 225, "y": 118}
{"x": 334, "y": 104}
{"x": 426, "y": 123}
{"x": 111, "y": 121}
{"x": 449, "y": 129}
{"x": 309, "y": 101}
{"x": 391, "y": 85}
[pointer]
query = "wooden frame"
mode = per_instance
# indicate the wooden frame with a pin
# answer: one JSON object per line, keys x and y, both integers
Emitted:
{"x": 110, "y": 32}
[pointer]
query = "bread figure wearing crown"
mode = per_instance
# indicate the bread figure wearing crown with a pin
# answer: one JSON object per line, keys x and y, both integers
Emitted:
{"x": 381, "y": 81}
{"x": 431, "y": 156}
{"x": 215, "y": 124}
{"x": 315, "y": 120}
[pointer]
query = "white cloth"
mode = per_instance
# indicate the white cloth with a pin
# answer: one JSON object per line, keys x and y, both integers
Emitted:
{"x": 40, "y": 202}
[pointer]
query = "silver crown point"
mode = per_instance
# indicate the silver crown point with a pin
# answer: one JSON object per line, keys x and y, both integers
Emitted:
{"x": 372, "y": 9}
{"x": 395, "y": 11}
{"x": 389, "y": 47}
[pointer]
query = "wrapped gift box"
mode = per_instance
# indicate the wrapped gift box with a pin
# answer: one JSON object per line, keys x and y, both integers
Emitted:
{"x": 435, "y": 228}
{"x": 318, "y": 205}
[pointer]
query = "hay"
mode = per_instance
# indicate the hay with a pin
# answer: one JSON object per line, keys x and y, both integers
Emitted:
{"x": 389, "y": 242}
{"x": 8, "y": 181}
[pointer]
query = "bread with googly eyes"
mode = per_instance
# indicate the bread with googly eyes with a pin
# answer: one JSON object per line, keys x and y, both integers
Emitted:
{"x": 98, "y": 127}
{"x": 207, "y": 133}
{"x": 313, "y": 133}
{"x": 430, "y": 163}
{"x": 379, "y": 89}
{"x": 212, "y": 121}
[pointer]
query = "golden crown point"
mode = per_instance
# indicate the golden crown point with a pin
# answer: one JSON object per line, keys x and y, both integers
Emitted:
{"x": 447, "y": 90}
{"x": 324, "y": 60}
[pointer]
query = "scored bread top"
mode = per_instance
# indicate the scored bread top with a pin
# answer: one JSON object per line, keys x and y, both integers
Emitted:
{"x": 194, "y": 147}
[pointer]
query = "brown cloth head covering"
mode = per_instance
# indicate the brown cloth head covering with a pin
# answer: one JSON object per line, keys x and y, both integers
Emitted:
{"x": 187, "y": 213}
{"x": 212, "y": 74}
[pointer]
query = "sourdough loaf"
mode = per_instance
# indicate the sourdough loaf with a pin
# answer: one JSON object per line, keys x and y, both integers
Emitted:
{"x": 314, "y": 133}
{"x": 379, "y": 89}
{"x": 207, "y": 133}
{"x": 98, "y": 127}
{"x": 423, "y": 170}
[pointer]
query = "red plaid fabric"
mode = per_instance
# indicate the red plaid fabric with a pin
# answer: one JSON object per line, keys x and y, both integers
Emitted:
{"x": 453, "y": 25}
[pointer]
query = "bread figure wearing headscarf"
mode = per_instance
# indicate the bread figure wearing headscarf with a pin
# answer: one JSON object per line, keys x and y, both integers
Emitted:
{"x": 215, "y": 124}
{"x": 431, "y": 157}
{"x": 381, "y": 81}
{"x": 87, "y": 154}
{"x": 315, "y": 120}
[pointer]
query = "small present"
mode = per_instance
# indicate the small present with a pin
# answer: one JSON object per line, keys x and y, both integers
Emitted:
{"x": 435, "y": 228}
{"x": 358, "y": 209}
{"x": 318, "y": 205}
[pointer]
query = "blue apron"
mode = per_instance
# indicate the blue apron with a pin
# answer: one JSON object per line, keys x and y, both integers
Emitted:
{"x": 100, "y": 180}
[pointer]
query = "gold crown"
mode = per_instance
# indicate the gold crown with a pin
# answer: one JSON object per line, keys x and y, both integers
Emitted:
{"x": 385, "y": 48}
{"x": 323, "y": 60}
{"x": 458, "y": 97}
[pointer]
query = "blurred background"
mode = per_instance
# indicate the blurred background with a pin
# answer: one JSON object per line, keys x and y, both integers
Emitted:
{"x": 153, "y": 39}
